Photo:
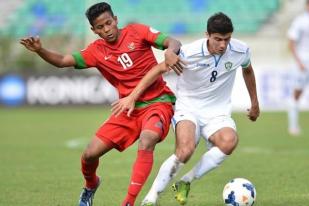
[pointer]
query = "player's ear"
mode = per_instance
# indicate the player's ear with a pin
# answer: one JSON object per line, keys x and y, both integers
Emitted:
{"x": 207, "y": 35}
{"x": 93, "y": 30}
{"x": 116, "y": 19}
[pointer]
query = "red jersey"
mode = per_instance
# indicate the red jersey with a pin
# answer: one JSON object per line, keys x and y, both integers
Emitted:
{"x": 127, "y": 61}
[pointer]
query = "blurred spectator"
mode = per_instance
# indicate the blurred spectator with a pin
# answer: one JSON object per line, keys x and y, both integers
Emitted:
{"x": 298, "y": 35}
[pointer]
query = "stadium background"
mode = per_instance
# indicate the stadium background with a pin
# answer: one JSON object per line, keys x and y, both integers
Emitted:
{"x": 34, "y": 96}
{"x": 63, "y": 26}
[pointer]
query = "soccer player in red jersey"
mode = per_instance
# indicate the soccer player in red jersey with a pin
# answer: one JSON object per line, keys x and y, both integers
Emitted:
{"x": 123, "y": 57}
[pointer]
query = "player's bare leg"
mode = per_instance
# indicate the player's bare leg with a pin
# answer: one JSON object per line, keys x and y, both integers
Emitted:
{"x": 185, "y": 146}
{"x": 224, "y": 140}
{"x": 293, "y": 113}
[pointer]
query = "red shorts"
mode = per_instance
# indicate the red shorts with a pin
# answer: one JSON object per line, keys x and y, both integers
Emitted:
{"x": 122, "y": 131}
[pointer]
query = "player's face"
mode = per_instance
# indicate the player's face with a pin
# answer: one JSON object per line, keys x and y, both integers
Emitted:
{"x": 217, "y": 43}
{"x": 106, "y": 27}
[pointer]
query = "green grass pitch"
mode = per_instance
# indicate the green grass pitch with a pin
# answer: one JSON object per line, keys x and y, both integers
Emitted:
{"x": 40, "y": 150}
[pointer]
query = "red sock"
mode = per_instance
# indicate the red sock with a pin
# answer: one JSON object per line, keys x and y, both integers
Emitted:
{"x": 141, "y": 170}
{"x": 89, "y": 172}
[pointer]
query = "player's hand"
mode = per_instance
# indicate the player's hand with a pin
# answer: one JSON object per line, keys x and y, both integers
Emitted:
{"x": 302, "y": 67}
{"x": 124, "y": 104}
{"x": 32, "y": 43}
{"x": 174, "y": 62}
{"x": 253, "y": 113}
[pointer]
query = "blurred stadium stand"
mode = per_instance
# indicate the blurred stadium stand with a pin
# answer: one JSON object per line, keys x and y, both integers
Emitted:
{"x": 189, "y": 16}
{"x": 56, "y": 17}
{"x": 7, "y": 8}
{"x": 63, "y": 27}
{"x": 44, "y": 17}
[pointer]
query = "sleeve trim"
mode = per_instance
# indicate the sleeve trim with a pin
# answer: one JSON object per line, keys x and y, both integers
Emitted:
{"x": 160, "y": 41}
{"x": 79, "y": 61}
{"x": 245, "y": 66}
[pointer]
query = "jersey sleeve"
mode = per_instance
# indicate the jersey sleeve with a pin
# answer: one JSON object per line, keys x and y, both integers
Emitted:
{"x": 246, "y": 63}
{"x": 294, "y": 30}
{"x": 85, "y": 58}
{"x": 151, "y": 35}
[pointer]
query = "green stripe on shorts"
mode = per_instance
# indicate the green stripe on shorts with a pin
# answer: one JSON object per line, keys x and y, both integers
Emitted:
{"x": 163, "y": 98}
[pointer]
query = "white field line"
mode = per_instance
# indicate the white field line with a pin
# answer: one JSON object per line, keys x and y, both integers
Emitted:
{"x": 77, "y": 143}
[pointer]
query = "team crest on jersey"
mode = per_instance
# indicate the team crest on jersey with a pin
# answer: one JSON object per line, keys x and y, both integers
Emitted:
{"x": 228, "y": 65}
{"x": 131, "y": 46}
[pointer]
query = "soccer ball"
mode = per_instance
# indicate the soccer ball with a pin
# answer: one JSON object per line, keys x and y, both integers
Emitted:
{"x": 239, "y": 192}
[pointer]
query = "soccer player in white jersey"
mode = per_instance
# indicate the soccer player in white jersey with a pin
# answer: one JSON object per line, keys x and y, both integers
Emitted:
{"x": 203, "y": 105}
{"x": 298, "y": 35}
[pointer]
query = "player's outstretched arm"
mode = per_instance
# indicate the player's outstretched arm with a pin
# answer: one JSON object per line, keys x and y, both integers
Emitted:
{"x": 248, "y": 75}
{"x": 34, "y": 44}
{"x": 128, "y": 103}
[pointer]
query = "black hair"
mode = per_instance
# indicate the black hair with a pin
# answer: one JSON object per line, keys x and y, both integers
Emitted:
{"x": 219, "y": 23}
{"x": 96, "y": 10}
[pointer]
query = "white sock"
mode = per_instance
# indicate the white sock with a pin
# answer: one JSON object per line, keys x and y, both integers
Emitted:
{"x": 293, "y": 114}
{"x": 167, "y": 172}
{"x": 209, "y": 161}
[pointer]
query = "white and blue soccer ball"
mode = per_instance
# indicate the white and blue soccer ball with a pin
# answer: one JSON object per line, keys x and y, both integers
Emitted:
{"x": 239, "y": 192}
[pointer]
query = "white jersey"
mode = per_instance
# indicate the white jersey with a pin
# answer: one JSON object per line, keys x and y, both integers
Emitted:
{"x": 205, "y": 86}
{"x": 299, "y": 32}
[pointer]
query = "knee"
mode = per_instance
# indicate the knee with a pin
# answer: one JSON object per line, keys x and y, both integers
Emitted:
{"x": 184, "y": 153}
{"x": 89, "y": 156}
{"x": 148, "y": 142}
{"x": 297, "y": 94}
{"x": 228, "y": 143}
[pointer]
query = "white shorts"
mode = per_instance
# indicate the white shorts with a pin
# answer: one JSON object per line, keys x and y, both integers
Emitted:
{"x": 205, "y": 127}
{"x": 301, "y": 79}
